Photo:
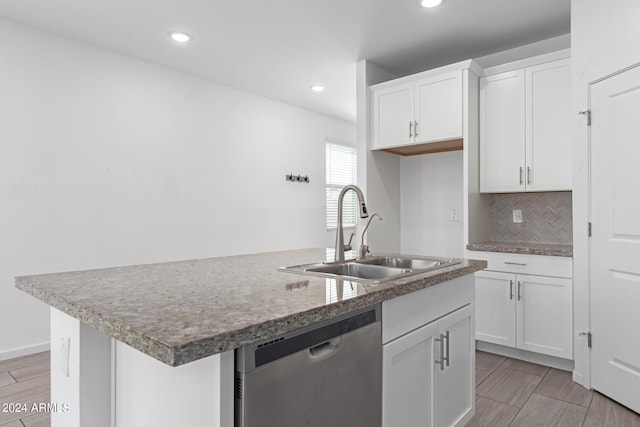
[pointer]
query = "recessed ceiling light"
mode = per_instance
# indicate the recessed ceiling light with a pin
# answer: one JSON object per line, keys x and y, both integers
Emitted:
{"x": 180, "y": 36}
{"x": 317, "y": 88}
{"x": 430, "y": 3}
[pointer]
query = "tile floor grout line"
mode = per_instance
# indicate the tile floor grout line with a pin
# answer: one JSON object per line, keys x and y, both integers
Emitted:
{"x": 562, "y": 400}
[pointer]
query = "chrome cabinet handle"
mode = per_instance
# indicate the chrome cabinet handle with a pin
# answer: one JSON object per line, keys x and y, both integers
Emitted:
{"x": 528, "y": 175}
{"x": 521, "y": 179}
{"x": 519, "y": 287}
{"x": 441, "y": 361}
{"x": 410, "y": 129}
{"x": 447, "y": 338}
{"x": 510, "y": 289}
{"x": 415, "y": 128}
{"x": 515, "y": 263}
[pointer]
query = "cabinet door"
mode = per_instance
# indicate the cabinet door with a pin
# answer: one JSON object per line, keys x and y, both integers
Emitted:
{"x": 393, "y": 116}
{"x": 502, "y": 132}
{"x": 408, "y": 379}
{"x": 545, "y": 315}
{"x": 455, "y": 395}
{"x": 496, "y": 308}
{"x": 438, "y": 108}
{"x": 548, "y": 118}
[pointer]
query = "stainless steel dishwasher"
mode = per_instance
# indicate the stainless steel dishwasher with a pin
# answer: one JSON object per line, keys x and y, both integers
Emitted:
{"x": 326, "y": 375}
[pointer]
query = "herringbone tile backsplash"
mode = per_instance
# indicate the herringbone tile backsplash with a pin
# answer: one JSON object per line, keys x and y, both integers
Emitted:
{"x": 546, "y": 217}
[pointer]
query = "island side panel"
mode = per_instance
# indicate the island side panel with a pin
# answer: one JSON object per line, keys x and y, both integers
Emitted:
{"x": 80, "y": 373}
{"x": 150, "y": 393}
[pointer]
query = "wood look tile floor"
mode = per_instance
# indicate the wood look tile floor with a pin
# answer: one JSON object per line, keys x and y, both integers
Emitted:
{"x": 509, "y": 392}
{"x": 24, "y": 381}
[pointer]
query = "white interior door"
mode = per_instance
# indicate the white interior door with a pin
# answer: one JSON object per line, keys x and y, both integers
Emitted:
{"x": 615, "y": 243}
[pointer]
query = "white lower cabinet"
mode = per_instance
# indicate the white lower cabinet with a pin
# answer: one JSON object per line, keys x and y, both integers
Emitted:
{"x": 525, "y": 311}
{"x": 428, "y": 374}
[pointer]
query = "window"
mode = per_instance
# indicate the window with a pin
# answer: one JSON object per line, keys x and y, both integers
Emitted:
{"x": 341, "y": 170}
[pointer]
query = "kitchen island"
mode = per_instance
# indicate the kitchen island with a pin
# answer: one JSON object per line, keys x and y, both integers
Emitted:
{"x": 108, "y": 326}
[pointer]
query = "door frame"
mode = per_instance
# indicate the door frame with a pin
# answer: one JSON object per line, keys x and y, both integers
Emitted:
{"x": 582, "y": 203}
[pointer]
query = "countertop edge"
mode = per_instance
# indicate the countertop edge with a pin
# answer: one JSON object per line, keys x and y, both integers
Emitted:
{"x": 181, "y": 354}
{"x": 234, "y": 339}
{"x": 520, "y": 249}
{"x": 163, "y": 352}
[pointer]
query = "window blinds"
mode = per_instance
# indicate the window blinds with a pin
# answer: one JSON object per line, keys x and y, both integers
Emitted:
{"x": 341, "y": 163}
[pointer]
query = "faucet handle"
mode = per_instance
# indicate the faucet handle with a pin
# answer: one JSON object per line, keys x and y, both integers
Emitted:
{"x": 363, "y": 250}
{"x": 347, "y": 246}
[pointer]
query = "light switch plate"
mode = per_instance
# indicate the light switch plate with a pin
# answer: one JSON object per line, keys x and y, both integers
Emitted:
{"x": 517, "y": 216}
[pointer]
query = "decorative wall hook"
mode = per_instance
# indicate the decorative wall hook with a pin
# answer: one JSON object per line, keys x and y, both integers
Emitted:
{"x": 298, "y": 178}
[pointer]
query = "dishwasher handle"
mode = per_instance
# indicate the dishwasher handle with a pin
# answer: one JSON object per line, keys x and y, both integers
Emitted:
{"x": 325, "y": 348}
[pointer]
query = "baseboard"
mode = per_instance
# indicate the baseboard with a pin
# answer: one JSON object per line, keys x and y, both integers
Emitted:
{"x": 527, "y": 356}
{"x": 579, "y": 378}
{"x": 24, "y": 351}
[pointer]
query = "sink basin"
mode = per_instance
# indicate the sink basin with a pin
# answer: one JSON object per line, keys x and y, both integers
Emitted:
{"x": 360, "y": 271}
{"x": 400, "y": 262}
{"x": 375, "y": 269}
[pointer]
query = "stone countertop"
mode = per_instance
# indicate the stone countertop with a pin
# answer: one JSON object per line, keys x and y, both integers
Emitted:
{"x": 182, "y": 311}
{"x": 523, "y": 248}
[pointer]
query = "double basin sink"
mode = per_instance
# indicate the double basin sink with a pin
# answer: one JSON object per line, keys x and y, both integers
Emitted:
{"x": 375, "y": 269}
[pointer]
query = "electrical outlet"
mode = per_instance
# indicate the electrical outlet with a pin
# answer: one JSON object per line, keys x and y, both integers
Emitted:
{"x": 517, "y": 216}
{"x": 65, "y": 348}
{"x": 453, "y": 215}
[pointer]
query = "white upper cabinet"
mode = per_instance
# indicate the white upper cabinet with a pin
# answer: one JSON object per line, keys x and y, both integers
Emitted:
{"x": 438, "y": 108}
{"x": 502, "y": 132}
{"x": 393, "y": 115}
{"x": 525, "y": 119}
{"x": 549, "y": 126}
{"x": 420, "y": 109}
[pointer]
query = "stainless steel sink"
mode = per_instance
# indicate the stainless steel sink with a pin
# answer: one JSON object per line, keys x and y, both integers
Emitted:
{"x": 360, "y": 271}
{"x": 398, "y": 262}
{"x": 375, "y": 269}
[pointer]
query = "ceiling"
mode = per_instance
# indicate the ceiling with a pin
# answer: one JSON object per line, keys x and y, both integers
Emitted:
{"x": 279, "y": 48}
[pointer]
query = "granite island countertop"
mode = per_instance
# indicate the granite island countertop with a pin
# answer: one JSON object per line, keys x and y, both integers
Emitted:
{"x": 527, "y": 248}
{"x": 182, "y": 311}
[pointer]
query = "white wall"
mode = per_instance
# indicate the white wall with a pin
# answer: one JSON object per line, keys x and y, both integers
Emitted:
{"x": 605, "y": 36}
{"x": 107, "y": 160}
{"x": 526, "y": 51}
{"x": 378, "y": 172}
{"x": 431, "y": 186}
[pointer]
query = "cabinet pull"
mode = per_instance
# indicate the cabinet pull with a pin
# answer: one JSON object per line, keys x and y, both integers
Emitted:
{"x": 410, "y": 129}
{"x": 519, "y": 286}
{"x": 521, "y": 179}
{"x": 447, "y": 348}
{"x": 528, "y": 175}
{"x": 522, "y": 264}
{"x": 441, "y": 361}
{"x": 510, "y": 289}
{"x": 415, "y": 128}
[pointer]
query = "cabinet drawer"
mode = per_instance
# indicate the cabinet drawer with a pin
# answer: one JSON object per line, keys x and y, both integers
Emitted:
{"x": 409, "y": 312}
{"x": 540, "y": 265}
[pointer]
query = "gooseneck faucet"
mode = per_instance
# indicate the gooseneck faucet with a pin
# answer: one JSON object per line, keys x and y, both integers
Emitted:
{"x": 339, "y": 251}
